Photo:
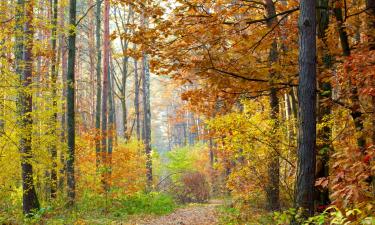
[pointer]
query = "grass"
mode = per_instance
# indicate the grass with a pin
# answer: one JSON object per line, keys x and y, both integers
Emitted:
{"x": 96, "y": 209}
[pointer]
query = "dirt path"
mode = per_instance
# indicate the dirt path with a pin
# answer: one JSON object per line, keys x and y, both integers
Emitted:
{"x": 192, "y": 215}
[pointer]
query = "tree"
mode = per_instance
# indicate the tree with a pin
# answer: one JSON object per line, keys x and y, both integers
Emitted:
{"x": 274, "y": 162}
{"x": 306, "y": 108}
{"x": 105, "y": 90}
{"x": 324, "y": 108}
{"x": 63, "y": 48}
{"x": 98, "y": 82}
{"x": 136, "y": 97}
{"x": 53, "y": 148}
{"x": 24, "y": 69}
{"x": 147, "y": 119}
{"x": 71, "y": 102}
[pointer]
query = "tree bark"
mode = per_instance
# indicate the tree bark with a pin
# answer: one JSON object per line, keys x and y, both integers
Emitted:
{"x": 147, "y": 119}
{"x": 71, "y": 102}
{"x": 136, "y": 99}
{"x": 325, "y": 95}
{"x": 24, "y": 69}
{"x": 306, "y": 108}
{"x": 98, "y": 84}
{"x": 273, "y": 185}
{"x": 53, "y": 148}
{"x": 105, "y": 90}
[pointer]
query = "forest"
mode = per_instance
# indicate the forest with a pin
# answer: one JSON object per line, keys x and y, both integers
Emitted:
{"x": 187, "y": 112}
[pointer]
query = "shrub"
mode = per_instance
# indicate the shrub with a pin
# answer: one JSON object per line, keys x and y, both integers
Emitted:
{"x": 151, "y": 203}
{"x": 194, "y": 188}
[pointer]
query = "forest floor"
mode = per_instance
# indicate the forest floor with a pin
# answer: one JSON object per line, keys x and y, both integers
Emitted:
{"x": 194, "y": 214}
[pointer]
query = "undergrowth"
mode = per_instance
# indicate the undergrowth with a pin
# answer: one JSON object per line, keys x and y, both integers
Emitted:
{"x": 98, "y": 209}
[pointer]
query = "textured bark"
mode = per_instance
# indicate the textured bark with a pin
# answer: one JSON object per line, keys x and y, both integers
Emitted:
{"x": 306, "y": 108}
{"x": 324, "y": 149}
{"x": 53, "y": 133}
{"x": 211, "y": 152}
{"x": 273, "y": 185}
{"x": 98, "y": 82}
{"x": 105, "y": 90}
{"x": 71, "y": 103}
{"x": 123, "y": 96}
{"x": 136, "y": 99}
{"x": 111, "y": 126}
{"x": 24, "y": 69}
{"x": 147, "y": 119}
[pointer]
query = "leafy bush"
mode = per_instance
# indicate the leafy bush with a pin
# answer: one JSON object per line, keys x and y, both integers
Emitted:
{"x": 151, "y": 203}
{"x": 194, "y": 188}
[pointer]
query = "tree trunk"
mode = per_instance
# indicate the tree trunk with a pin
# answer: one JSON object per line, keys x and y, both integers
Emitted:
{"x": 136, "y": 99}
{"x": 71, "y": 102}
{"x": 324, "y": 149}
{"x": 24, "y": 66}
{"x": 105, "y": 89}
{"x": 306, "y": 108}
{"x": 273, "y": 185}
{"x": 98, "y": 83}
{"x": 123, "y": 96}
{"x": 111, "y": 124}
{"x": 53, "y": 132}
{"x": 147, "y": 119}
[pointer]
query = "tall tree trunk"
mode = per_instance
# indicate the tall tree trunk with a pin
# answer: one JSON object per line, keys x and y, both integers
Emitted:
{"x": 24, "y": 68}
{"x": 71, "y": 102}
{"x": 147, "y": 119}
{"x": 136, "y": 99}
{"x": 111, "y": 123}
{"x": 92, "y": 51}
{"x": 306, "y": 108}
{"x": 98, "y": 83}
{"x": 53, "y": 148}
{"x": 105, "y": 89}
{"x": 273, "y": 186}
{"x": 325, "y": 148}
{"x": 123, "y": 97}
